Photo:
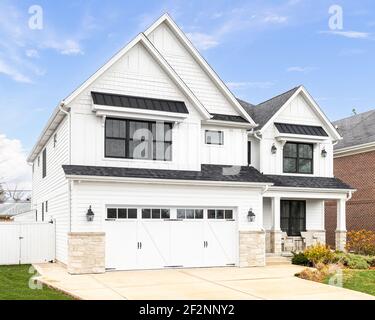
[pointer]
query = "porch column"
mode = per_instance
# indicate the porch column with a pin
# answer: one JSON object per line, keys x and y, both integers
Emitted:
{"x": 275, "y": 230}
{"x": 341, "y": 225}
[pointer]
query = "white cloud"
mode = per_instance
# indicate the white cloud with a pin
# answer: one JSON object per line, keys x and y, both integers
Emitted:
{"x": 203, "y": 41}
{"x": 13, "y": 73}
{"x": 14, "y": 169}
{"x": 67, "y": 47}
{"x": 32, "y": 53}
{"x": 300, "y": 69}
{"x": 349, "y": 34}
{"x": 249, "y": 84}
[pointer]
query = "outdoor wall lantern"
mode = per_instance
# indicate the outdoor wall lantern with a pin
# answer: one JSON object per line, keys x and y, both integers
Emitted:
{"x": 273, "y": 149}
{"x": 324, "y": 153}
{"x": 90, "y": 215}
{"x": 251, "y": 215}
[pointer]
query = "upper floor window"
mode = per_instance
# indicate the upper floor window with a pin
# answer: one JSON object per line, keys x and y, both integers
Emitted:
{"x": 298, "y": 158}
{"x": 44, "y": 163}
{"x": 132, "y": 139}
{"x": 214, "y": 137}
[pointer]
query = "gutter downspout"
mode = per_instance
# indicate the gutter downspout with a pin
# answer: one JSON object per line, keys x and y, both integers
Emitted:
{"x": 61, "y": 107}
{"x": 265, "y": 189}
{"x": 350, "y": 195}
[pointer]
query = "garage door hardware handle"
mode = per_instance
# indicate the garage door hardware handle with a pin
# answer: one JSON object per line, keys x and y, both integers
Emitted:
{"x": 230, "y": 219}
{"x": 110, "y": 219}
{"x": 139, "y": 245}
{"x": 20, "y": 238}
{"x": 173, "y": 219}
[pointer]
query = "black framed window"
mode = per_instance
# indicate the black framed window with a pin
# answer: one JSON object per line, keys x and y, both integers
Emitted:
{"x": 43, "y": 211}
{"x": 121, "y": 213}
{"x": 293, "y": 217}
{"x": 220, "y": 214}
{"x": 155, "y": 213}
{"x": 189, "y": 213}
{"x": 298, "y": 158}
{"x": 214, "y": 137}
{"x": 133, "y": 139}
{"x": 44, "y": 163}
{"x": 249, "y": 153}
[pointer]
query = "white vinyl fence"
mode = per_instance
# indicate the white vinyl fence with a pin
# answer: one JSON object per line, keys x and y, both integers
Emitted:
{"x": 26, "y": 242}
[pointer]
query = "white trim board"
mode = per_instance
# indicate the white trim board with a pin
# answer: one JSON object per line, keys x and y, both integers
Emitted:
{"x": 352, "y": 150}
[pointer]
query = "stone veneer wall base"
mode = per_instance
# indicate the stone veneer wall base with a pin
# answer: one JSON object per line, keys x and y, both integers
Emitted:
{"x": 86, "y": 252}
{"x": 252, "y": 248}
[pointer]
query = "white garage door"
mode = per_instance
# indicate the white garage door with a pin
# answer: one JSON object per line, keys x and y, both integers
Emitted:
{"x": 152, "y": 238}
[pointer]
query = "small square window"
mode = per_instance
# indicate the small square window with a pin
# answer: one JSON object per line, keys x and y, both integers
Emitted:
{"x": 228, "y": 214}
{"x": 219, "y": 214}
{"x": 122, "y": 213}
{"x": 214, "y": 137}
{"x": 180, "y": 213}
{"x": 211, "y": 214}
{"x": 55, "y": 140}
{"x": 198, "y": 214}
{"x": 155, "y": 213}
{"x": 165, "y": 213}
{"x": 146, "y": 213}
{"x": 189, "y": 213}
{"x": 111, "y": 213}
{"x": 132, "y": 213}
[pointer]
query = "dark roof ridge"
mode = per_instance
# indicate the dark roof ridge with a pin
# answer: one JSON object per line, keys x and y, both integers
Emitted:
{"x": 297, "y": 87}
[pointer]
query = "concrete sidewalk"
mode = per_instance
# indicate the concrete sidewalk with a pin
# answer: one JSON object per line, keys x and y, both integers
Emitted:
{"x": 271, "y": 282}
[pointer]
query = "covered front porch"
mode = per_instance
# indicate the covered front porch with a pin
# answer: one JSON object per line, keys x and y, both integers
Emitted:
{"x": 294, "y": 220}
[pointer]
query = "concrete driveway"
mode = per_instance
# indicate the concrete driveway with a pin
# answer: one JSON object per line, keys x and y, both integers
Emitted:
{"x": 271, "y": 282}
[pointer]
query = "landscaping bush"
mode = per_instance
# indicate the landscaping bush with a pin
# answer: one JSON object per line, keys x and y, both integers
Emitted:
{"x": 361, "y": 242}
{"x": 300, "y": 259}
{"x": 319, "y": 253}
{"x": 353, "y": 261}
{"x": 318, "y": 275}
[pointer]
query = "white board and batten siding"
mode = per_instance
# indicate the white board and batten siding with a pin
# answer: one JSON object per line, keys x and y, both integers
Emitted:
{"x": 190, "y": 71}
{"x": 54, "y": 187}
{"x": 297, "y": 112}
{"x": 28, "y": 242}
{"x": 135, "y": 74}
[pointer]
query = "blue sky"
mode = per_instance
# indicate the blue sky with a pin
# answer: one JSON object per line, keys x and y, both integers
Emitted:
{"x": 259, "y": 48}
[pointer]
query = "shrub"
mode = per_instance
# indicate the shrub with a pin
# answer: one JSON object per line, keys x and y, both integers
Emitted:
{"x": 361, "y": 242}
{"x": 353, "y": 261}
{"x": 300, "y": 259}
{"x": 318, "y": 275}
{"x": 319, "y": 253}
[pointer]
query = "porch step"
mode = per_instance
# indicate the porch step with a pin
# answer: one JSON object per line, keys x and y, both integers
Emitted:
{"x": 276, "y": 260}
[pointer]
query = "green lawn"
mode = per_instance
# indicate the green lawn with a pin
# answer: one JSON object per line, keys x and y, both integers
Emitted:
{"x": 14, "y": 285}
{"x": 360, "y": 280}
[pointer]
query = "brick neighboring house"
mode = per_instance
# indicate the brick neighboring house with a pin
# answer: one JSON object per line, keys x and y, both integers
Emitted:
{"x": 354, "y": 163}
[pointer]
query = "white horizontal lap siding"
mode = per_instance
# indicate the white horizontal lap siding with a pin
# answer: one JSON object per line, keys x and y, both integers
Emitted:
{"x": 232, "y": 152}
{"x": 136, "y": 74}
{"x": 296, "y": 112}
{"x": 190, "y": 71}
{"x": 98, "y": 195}
{"x": 54, "y": 187}
{"x": 315, "y": 215}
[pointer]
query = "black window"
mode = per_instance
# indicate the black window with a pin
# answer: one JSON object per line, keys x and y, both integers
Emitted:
{"x": 214, "y": 137}
{"x": 42, "y": 211}
{"x": 121, "y": 213}
{"x": 220, "y": 214}
{"x": 46, "y": 206}
{"x": 249, "y": 153}
{"x": 44, "y": 163}
{"x": 298, "y": 158}
{"x": 155, "y": 213}
{"x": 189, "y": 213}
{"x": 293, "y": 217}
{"x": 132, "y": 139}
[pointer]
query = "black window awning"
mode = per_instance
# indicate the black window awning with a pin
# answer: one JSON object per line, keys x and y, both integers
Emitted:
{"x": 301, "y": 129}
{"x": 123, "y": 101}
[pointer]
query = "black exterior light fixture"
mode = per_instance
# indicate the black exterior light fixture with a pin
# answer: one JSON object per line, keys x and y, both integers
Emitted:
{"x": 251, "y": 215}
{"x": 273, "y": 149}
{"x": 90, "y": 215}
{"x": 324, "y": 153}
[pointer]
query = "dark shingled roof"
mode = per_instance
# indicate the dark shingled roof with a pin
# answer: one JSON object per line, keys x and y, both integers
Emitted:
{"x": 117, "y": 100}
{"x": 308, "y": 182}
{"x": 228, "y": 117}
{"x": 264, "y": 111}
{"x": 301, "y": 129}
{"x": 208, "y": 173}
{"x": 356, "y": 130}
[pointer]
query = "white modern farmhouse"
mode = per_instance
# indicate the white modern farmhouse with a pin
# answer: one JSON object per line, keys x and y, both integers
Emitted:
{"x": 154, "y": 163}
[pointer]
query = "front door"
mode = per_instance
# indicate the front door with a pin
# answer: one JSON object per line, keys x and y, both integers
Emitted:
{"x": 293, "y": 217}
